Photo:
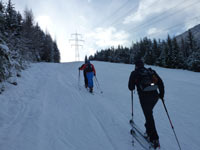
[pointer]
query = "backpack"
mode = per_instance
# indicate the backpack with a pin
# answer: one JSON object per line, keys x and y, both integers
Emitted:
{"x": 88, "y": 68}
{"x": 147, "y": 79}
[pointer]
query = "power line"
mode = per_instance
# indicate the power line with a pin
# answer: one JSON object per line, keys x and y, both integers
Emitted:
{"x": 112, "y": 14}
{"x": 114, "y": 23}
{"x": 174, "y": 26}
{"x": 155, "y": 19}
{"x": 128, "y": 12}
{"x": 76, "y": 44}
{"x": 158, "y": 19}
{"x": 160, "y": 15}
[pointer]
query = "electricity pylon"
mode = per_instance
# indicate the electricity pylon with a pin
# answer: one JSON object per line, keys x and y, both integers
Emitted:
{"x": 76, "y": 44}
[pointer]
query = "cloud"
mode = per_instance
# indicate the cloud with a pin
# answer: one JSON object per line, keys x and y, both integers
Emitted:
{"x": 101, "y": 38}
{"x": 155, "y": 32}
{"x": 141, "y": 13}
{"x": 139, "y": 23}
{"x": 148, "y": 8}
{"x": 191, "y": 21}
{"x": 44, "y": 22}
{"x": 106, "y": 37}
{"x": 152, "y": 31}
{"x": 157, "y": 18}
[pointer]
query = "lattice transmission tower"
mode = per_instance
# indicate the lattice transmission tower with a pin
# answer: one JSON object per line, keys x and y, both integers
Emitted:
{"x": 76, "y": 39}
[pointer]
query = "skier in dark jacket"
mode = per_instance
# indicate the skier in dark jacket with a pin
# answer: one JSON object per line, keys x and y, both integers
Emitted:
{"x": 84, "y": 75}
{"x": 90, "y": 73}
{"x": 148, "y": 100}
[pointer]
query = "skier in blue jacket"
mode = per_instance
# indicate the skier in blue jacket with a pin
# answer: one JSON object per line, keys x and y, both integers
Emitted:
{"x": 90, "y": 73}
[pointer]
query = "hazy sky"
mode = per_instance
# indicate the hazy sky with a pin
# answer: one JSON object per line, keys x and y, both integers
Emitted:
{"x": 105, "y": 23}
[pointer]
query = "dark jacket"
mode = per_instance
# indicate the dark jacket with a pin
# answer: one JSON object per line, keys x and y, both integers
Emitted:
{"x": 84, "y": 71}
{"x": 133, "y": 82}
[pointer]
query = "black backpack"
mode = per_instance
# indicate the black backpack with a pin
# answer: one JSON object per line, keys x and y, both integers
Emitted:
{"x": 147, "y": 79}
{"x": 88, "y": 68}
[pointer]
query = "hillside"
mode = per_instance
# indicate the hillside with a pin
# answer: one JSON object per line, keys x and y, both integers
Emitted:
{"x": 195, "y": 32}
{"x": 48, "y": 111}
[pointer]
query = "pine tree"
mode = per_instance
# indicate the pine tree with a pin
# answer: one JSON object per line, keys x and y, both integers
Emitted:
{"x": 169, "y": 50}
{"x": 168, "y": 53}
{"x": 19, "y": 23}
{"x": 175, "y": 51}
{"x": 190, "y": 44}
{"x": 157, "y": 46}
{"x": 1, "y": 8}
{"x": 37, "y": 40}
{"x": 144, "y": 47}
{"x": 194, "y": 61}
{"x": 2, "y": 17}
{"x": 48, "y": 51}
{"x": 21, "y": 41}
{"x": 56, "y": 52}
{"x": 192, "y": 52}
{"x": 149, "y": 55}
{"x": 28, "y": 22}
{"x": 134, "y": 51}
{"x": 31, "y": 37}
{"x": 156, "y": 49}
{"x": 11, "y": 16}
{"x": 162, "y": 60}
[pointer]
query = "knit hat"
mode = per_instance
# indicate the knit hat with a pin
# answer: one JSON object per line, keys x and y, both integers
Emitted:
{"x": 139, "y": 63}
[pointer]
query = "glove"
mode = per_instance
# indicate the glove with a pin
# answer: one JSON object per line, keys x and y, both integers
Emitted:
{"x": 79, "y": 68}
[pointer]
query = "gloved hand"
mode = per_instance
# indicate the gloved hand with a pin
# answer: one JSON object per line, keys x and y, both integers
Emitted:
{"x": 79, "y": 68}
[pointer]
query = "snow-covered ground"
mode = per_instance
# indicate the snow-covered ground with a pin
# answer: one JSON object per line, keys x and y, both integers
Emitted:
{"x": 47, "y": 110}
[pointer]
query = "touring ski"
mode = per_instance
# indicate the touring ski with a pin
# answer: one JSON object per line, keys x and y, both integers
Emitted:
{"x": 138, "y": 135}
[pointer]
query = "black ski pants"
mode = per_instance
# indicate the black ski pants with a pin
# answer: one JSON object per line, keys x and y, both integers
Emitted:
{"x": 85, "y": 78}
{"x": 148, "y": 100}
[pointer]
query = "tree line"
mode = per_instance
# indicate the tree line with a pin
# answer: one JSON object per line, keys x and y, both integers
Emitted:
{"x": 22, "y": 41}
{"x": 169, "y": 53}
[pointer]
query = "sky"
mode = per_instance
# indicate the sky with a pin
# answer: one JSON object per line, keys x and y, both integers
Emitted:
{"x": 105, "y": 23}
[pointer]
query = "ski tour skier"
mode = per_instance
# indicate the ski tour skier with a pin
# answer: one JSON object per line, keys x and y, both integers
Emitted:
{"x": 90, "y": 72}
{"x": 84, "y": 74}
{"x": 148, "y": 96}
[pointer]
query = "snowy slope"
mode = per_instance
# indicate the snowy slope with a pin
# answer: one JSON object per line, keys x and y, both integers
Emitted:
{"x": 47, "y": 110}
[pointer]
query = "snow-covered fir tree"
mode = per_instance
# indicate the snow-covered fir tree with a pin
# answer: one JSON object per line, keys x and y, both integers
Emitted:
{"x": 170, "y": 53}
{"x": 22, "y": 41}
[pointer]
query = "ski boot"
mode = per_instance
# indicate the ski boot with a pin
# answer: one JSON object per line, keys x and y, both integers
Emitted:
{"x": 146, "y": 136}
{"x": 156, "y": 144}
{"x": 91, "y": 90}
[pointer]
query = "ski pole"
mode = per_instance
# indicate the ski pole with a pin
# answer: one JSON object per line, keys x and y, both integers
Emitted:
{"x": 171, "y": 123}
{"x": 132, "y": 104}
{"x": 131, "y": 121}
{"x": 79, "y": 79}
{"x": 98, "y": 85}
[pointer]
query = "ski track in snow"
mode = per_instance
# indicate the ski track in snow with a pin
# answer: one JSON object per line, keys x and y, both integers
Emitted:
{"x": 48, "y": 110}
